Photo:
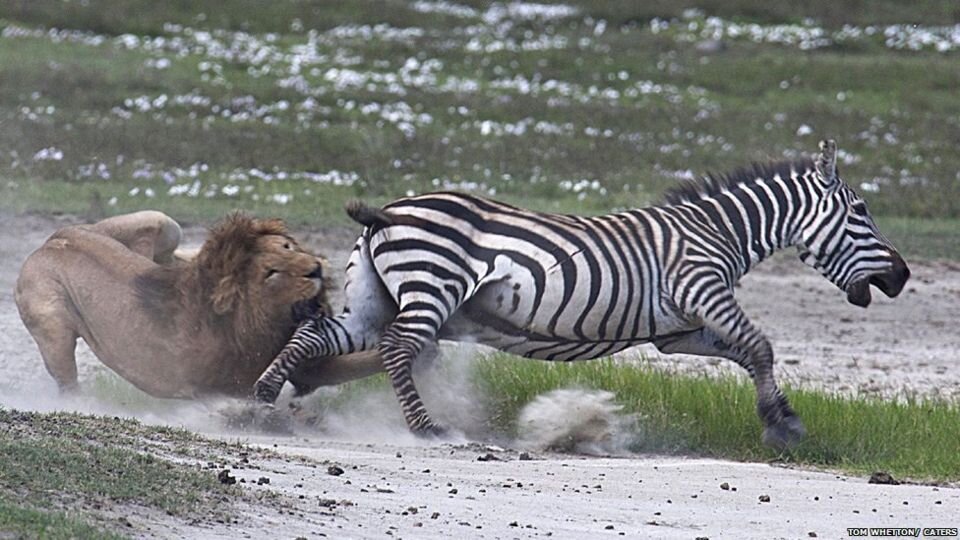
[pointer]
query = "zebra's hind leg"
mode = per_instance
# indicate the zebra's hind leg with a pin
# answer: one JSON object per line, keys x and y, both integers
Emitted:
{"x": 400, "y": 346}
{"x": 728, "y": 333}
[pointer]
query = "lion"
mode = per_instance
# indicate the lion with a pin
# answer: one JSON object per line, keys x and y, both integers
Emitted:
{"x": 176, "y": 326}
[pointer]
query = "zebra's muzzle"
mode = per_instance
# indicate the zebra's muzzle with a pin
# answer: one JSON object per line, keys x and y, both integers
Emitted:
{"x": 890, "y": 282}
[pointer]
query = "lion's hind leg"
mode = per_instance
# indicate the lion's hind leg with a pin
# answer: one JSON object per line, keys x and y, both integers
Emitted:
{"x": 152, "y": 234}
{"x": 47, "y": 317}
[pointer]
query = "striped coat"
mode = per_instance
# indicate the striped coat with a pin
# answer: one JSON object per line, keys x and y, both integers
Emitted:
{"x": 559, "y": 287}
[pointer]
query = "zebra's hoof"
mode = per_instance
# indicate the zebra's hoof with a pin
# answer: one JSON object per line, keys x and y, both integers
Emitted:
{"x": 265, "y": 393}
{"x": 432, "y": 431}
{"x": 785, "y": 434}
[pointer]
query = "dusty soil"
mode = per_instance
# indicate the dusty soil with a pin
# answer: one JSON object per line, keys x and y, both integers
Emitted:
{"x": 395, "y": 485}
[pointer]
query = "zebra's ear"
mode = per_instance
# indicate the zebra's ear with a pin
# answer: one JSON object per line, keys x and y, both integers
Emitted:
{"x": 827, "y": 163}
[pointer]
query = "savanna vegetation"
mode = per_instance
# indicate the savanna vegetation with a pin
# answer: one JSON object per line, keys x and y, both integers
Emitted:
{"x": 293, "y": 107}
{"x": 290, "y": 108}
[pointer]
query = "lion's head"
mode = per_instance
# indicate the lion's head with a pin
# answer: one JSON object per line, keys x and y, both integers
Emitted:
{"x": 251, "y": 278}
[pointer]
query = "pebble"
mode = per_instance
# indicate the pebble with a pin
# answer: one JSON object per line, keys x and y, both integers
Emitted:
{"x": 225, "y": 478}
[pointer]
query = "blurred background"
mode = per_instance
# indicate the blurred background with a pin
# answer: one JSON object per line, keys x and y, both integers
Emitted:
{"x": 289, "y": 108}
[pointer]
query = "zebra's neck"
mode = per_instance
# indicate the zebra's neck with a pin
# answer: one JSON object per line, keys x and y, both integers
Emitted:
{"x": 760, "y": 217}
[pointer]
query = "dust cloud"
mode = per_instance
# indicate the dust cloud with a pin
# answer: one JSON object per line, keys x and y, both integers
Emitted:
{"x": 575, "y": 420}
{"x": 566, "y": 420}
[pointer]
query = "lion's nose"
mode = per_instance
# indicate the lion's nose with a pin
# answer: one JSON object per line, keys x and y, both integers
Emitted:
{"x": 317, "y": 273}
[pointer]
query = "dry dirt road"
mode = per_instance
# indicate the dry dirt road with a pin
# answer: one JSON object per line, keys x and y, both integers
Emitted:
{"x": 396, "y": 486}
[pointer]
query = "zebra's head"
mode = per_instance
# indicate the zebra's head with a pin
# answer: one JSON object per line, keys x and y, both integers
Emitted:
{"x": 841, "y": 240}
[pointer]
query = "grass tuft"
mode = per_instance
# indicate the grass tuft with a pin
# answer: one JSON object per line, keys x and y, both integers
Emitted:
{"x": 715, "y": 416}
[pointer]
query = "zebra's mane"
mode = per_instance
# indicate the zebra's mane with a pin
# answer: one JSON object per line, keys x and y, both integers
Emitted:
{"x": 715, "y": 184}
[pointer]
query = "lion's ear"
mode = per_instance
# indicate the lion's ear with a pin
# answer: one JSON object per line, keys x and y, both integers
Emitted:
{"x": 225, "y": 295}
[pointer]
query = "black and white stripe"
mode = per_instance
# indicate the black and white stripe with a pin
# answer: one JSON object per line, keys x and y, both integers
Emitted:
{"x": 558, "y": 287}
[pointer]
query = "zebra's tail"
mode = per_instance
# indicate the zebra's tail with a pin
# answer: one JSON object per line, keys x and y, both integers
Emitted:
{"x": 367, "y": 216}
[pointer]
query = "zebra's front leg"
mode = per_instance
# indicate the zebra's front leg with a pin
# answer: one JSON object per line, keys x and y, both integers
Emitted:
{"x": 315, "y": 338}
{"x": 728, "y": 333}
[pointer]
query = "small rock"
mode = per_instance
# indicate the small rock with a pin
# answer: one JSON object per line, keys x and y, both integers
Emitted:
{"x": 412, "y": 510}
{"x": 453, "y": 491}
{"x": 488, "y": 457}
{"x": 263, "y": 480}
{"x": 225, "y": 478}
{"x": 435, "y": 515}
{"x": 384, "y": 489}
{"x": 333, "y": 470}
{"x": 882, "y": 477}
{"x": 328, "y": 503}
{"x": 812, "y": 534}
{"x": 514, "y": 524}
{"x": 725, "y": 486}
{"x": 609, "y": 527}
{"x": 764, "y": 498}
{"x": 524, "y": 456}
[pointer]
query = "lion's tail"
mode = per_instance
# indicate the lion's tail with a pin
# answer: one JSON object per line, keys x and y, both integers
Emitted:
{"x": 367, "y": 216}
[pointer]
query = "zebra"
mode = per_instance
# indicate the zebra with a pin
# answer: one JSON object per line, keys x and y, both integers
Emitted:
{"x": 455, "y": 266}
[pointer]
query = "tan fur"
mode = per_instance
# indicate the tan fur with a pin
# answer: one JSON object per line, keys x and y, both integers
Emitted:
{"x": 174, "y": 328}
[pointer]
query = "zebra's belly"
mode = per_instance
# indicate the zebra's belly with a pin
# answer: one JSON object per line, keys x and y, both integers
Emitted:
{"x": 509, "y": 311}
{"x": 499, "y": 335}
{"x": 474, "y": 325}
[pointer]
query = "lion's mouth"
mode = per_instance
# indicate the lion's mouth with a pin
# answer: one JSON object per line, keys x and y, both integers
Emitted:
{"x": 316, "y": 277}
{"x": 890, "y": 282}
{"x": 309, "y": 308}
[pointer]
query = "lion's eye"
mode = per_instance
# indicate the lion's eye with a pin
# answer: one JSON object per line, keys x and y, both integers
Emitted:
{"x": 287, "y": 245}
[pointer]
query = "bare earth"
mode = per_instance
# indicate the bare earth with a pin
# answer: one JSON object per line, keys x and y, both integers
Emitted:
{"x": 394, "y": 485}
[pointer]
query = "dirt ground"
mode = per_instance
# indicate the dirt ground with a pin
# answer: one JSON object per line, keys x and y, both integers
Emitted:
{"x": 397, "y": 486}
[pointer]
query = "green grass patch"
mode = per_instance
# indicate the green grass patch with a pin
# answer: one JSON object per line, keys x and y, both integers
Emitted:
{"x": 58, "y": 461}
{"x": 535, "y": 125}
{"x": 18, "y": 521}
{"x": 920, "y": 237}
{"x": 715, "y": 416}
